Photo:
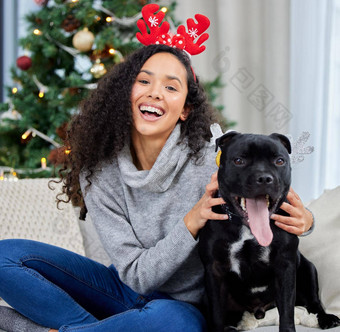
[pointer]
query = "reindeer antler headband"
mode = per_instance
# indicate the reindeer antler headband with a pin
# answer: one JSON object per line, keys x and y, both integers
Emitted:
{"x": 190, "y": 41}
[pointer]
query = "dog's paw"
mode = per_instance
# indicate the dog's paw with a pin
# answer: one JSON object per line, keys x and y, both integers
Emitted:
{"x": 327, "y": 321}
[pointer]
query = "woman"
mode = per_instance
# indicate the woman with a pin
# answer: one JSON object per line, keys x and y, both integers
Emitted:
{"x": 141, "y": 149}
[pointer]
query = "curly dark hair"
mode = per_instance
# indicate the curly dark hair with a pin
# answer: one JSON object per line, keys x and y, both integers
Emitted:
{"x": 106, "y": 117}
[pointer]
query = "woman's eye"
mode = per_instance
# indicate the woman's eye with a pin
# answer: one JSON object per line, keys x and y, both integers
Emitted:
{"x": 279, "y": 161}
{"x": 143, "y": 81}
{"x": 171, "y": 88}
{"x": 238, "y": 161}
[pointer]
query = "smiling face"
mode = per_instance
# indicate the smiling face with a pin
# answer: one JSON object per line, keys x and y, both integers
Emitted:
{"x": 158, "y": 96}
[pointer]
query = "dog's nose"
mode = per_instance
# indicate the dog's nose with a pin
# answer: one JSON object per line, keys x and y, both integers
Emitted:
{"x": 265, "y": 179}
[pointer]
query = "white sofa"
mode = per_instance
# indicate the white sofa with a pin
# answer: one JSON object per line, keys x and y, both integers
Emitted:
{"x": 28, "y": 210}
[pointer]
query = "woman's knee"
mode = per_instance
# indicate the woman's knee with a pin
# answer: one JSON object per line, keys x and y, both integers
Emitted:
{"x": 12, "y": 251}
{"x": 8, "y": 259}
{"x": 177, "y": 315}
{"x": 7, "y": 249}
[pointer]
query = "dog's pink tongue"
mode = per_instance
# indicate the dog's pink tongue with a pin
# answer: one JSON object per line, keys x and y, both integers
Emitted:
{"x": 258, "y": 215}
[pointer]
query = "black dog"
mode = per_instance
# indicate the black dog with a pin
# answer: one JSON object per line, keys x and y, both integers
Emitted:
{"x": 250, "y": 264}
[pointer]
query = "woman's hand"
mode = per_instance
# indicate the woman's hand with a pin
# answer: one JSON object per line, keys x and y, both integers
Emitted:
{"x": 299, "y": 220}
{"x": 201, "y": 212}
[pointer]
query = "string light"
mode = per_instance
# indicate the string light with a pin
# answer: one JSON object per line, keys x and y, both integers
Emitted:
{"x": 37, "y": 32}
{"x": 112, "y": 51}
{"x": 36, "y": 132}
{"x": 109, "y": 19}
{"x": 14, "y": 90}
{"x": 11, "y": 176}
{"x": 41, "y": 94}
{"x": 8, "y": 174}
{"x": 67, "y": 151}
{"x": 43, "y": 163}
{"x": 26, "y": 134}
{"x": 125, "y": 21}
{"x": 164, "y": 9}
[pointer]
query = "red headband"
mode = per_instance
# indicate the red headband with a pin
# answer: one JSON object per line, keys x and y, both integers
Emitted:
{"x": 190, "y": 41}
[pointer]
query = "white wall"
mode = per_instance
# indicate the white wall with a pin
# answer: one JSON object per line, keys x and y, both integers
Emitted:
{"x": 249, "y": 47}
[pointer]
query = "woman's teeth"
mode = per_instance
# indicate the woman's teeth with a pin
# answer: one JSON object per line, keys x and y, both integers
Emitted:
{"x": 151, "y": 109}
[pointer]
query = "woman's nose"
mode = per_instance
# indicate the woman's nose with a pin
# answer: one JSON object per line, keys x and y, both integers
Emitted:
{"x": 155, "y": 91}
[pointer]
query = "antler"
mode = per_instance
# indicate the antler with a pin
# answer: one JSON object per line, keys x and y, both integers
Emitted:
{"x": 153, "y": 21}
{"x": 191, "y": 40}
{"x": 195, "y": 30}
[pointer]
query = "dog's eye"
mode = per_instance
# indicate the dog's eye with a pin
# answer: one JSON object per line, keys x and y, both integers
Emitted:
{"x": 238, "y": 161}
{"x": 279, "y": 161}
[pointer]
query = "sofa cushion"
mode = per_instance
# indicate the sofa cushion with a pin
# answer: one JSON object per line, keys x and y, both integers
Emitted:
{"x": 323, "y": 249}
{"x": 28, "y": 211}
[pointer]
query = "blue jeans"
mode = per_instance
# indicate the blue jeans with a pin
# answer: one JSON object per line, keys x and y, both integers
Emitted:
{"x": 63, "y": 290}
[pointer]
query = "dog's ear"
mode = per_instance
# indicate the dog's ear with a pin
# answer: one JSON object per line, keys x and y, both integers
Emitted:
{"x": 284, "y": 140}
{"x": 225, "y": 139}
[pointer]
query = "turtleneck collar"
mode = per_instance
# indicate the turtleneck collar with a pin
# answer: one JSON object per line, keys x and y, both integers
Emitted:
{"x": 167, "y": 165}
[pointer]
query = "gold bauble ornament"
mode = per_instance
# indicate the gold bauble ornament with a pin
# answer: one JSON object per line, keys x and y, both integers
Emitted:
{"x": 98, "y": 69}
{"x": 83, "y": 40}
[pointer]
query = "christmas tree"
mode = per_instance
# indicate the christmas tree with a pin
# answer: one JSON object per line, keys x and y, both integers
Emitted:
{"x": 70, "y": 44}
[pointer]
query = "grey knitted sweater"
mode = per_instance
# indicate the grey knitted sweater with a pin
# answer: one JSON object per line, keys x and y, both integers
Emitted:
{"x": 139, "y": 218}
